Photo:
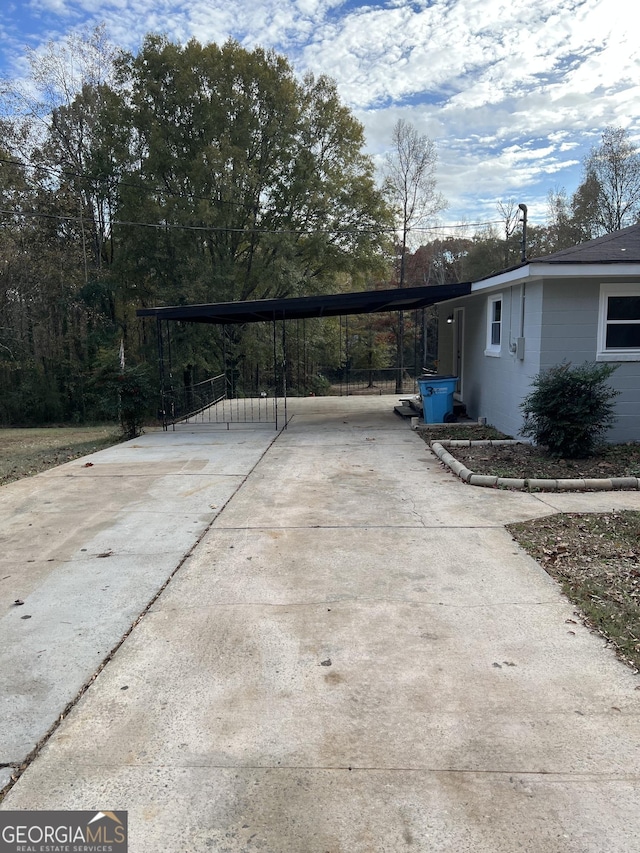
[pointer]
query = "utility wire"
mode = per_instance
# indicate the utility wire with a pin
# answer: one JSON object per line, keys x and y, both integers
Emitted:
{"x": 168, "y": 226}
{"x": 218, "y": 228}
{"x": 121, "y": 183}
{"x": 222, "y": 229}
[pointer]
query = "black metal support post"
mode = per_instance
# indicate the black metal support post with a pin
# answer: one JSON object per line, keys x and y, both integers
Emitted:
{"x": 284, "y": 368}
{"x": 275, "y": 368}
{"x": 163, "y": 402}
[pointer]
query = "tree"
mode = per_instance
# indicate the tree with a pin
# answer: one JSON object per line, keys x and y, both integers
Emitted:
{"x": 57, "y": 75}
{"x": 180, "y": 174}
{"x": 609, "y": 196}
{"x": 50, "y": 127}
{"x": 440, "y": 261}
{"x": 410, "y": 183}
{"x": 510, "y": 216}
{"x": 259, "y": 180}
{"x": 562, "y": 230}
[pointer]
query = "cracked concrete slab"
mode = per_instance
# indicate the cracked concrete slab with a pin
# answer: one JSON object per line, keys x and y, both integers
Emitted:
{"x": 355, "y": 657}
{"x": 86, "y": 546}
{"x": 367, "y": 480}
{"x": 292, "y": 565}
{"x": 356, "y": 811}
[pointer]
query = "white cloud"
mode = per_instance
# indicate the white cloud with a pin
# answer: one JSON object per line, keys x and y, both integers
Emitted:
{"x": 514, "y": 93}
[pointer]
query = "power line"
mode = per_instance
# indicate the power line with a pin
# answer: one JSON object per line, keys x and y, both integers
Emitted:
{"x": 173, "y": 226}
{"x": 207, "y": 228}
{"x": 121, "y": 183}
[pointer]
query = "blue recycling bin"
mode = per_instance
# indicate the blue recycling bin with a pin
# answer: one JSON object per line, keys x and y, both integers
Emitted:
{"x": 437, "y": 397}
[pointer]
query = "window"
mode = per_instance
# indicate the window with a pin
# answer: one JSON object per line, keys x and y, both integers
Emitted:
{"x": 619, "y": 323}
{"x": 494, "y": 325}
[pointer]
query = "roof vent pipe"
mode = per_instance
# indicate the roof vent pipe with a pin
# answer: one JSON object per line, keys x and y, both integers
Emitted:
{"x": 523, "y": 244}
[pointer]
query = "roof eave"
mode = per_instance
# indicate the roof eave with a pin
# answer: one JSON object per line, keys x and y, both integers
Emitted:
{"x": 537, "y": 270}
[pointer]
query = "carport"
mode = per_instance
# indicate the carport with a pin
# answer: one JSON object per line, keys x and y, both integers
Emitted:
{"x": 277, "y": 312}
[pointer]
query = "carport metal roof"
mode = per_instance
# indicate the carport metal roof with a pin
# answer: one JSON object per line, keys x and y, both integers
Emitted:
{"x": 297, "y": 308}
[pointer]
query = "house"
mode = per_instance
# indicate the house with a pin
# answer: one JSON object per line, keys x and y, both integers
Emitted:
{"x": 576, "y": 305}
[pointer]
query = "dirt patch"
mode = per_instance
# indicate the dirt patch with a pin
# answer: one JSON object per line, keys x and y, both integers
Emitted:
{"x": 460, "y": 432}
{"x": 25, "y": 452}
{"x": 595, "y": 557}
{"x": 524, "y": 461}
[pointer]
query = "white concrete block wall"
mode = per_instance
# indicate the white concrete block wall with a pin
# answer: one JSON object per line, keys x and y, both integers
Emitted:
{"x": 570, "y": 333}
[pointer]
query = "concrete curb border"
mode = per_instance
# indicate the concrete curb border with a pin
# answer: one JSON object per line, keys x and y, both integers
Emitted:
{"x": 528, "y": 484}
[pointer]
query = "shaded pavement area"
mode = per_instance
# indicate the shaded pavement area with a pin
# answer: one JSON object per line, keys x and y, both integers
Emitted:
{"x": 351, "y": 653}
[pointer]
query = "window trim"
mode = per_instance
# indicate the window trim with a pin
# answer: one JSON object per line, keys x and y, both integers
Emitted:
{"x": 614, "y": 353}
{"x": 491, "y": 349}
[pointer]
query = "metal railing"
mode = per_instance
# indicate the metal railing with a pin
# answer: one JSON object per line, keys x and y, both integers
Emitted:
{"x": 208, "y": 402}
{"x": 362, "y": 381}
{"x": 179, "y": 404}
{"x": 211, "y": 401}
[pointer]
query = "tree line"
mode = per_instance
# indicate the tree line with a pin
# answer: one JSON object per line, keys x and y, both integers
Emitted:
{"x": 606, "y": 200}
{"x": 206, "y": 173}
{"x": 177, "y": 175}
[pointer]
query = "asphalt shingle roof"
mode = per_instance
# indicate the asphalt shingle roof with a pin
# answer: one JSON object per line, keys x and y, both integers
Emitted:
{"x": 617, "y": 248}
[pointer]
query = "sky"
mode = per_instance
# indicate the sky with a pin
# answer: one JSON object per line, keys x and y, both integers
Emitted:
{"x": 513, "y": 94}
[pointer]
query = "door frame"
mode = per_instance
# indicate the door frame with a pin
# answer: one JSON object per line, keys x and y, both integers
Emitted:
{"x": 458, "y": 351}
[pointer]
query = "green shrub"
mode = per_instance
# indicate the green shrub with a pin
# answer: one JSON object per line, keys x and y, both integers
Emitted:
{"x": 319, "y": 385}
{"x": 123, "y": 393}
{"x": 570, "y": 409}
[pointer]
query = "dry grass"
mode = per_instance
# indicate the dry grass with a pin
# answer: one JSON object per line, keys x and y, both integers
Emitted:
{"x": 595, "y": 558}
{"x": 24, "y": 452}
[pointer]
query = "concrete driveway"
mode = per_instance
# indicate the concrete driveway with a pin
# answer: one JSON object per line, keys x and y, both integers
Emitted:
{"x": 352, "y": 655}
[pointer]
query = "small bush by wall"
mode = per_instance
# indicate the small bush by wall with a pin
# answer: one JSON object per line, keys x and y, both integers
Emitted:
{"x": 570, "y": 409}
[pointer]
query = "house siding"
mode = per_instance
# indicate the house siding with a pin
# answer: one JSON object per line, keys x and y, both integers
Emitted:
{"x": 560, "y": 325}
{"x": 569, "y": 333}
{"x": 569, "y": 329}
{"x": 494, "y": 386}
